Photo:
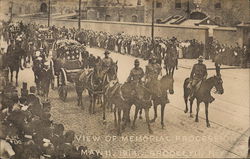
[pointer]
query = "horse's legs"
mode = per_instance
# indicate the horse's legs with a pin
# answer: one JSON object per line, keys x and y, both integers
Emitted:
{"x": 191, "y": 108}
{"x": 155, "y": 114}
{"x": 206, "y": 110}
{"x": 104, "y": 104}
{"x": 91, "y": 101}
{"x": 186, "y": 103}
{"x": 115, "y": 116}
{"x": 162, "y": 115}
{"x": 94, "y": 102}
{"x": 147, "y": 120}
{"x": 197, "y": 111}
{"x": 17, "y": 71}
{"x": 140, "y": 112}
{"x": 135, "y": 117}
{"x": 79, "y": 95}
{"x": 176, "y": 64}
{"x": 11, "y": 75}
{"x": 119, "y": 122}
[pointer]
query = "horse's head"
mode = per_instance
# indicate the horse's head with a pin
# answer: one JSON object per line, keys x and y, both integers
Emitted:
{"x": 218, "y": 84}
{"x": 98, "y": 75}
{"x": 167, "y": 83}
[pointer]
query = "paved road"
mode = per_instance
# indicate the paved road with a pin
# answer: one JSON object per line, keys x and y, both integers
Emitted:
{"x": 182, "y": 137}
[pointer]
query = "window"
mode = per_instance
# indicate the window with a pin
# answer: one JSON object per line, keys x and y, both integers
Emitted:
{"x": 134, "y": 18}
{"x": 217, "y": 4}
{"x": 158, "y": 5}
{"x": 177, "y": 4}
{"x": 108, "y": 18}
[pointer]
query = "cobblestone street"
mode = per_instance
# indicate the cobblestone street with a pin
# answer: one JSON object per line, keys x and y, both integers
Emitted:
{"x": 182, "y": 137}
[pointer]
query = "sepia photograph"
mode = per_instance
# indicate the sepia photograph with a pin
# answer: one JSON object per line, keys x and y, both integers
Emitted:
{"x": 111, "y": 79}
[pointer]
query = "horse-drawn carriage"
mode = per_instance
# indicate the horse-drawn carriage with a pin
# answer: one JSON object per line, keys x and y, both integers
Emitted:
{"x": 66, "y": 63}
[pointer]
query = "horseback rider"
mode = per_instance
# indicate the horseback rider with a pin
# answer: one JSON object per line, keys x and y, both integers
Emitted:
{"x": 198, "y": 74}
{"x": 107, "y": 62}
{"x": 136, "y": 74}
{"x": 135, "y": 77}
{"x": 153, "y": 70}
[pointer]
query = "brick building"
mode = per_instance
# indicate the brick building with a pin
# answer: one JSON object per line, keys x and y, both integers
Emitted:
{"x": 223, "y": 12}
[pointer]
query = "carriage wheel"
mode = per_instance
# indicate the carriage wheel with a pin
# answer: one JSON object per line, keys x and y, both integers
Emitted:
{"x": 62, "y": 87}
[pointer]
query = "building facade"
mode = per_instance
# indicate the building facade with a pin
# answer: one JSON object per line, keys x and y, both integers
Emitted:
{"x": 223, "y": 12}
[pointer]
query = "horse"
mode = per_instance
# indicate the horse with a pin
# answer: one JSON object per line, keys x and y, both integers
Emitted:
{"x": 171, "y": 61}
{"x": 121, "y": 97}
{"x": 14, "y": 61}
{"x": 166, "y": 83}
{"x": 95, "y": 82}
{"x": 202, "y": 94}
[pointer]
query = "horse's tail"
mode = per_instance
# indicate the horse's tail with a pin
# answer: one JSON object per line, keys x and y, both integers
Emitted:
{"x": 185, "y": 87}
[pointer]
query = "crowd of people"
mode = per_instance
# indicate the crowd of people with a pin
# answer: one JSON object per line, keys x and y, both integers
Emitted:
{"x": 138, "y": 46}
{"x": 27, "y": 131}
{"x": 229, "y": 55}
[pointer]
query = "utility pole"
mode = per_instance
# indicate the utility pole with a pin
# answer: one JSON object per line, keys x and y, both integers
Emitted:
{"x": 49, "y": 15}
{"x": 153, "y": 22}
{"x": 11, "y": 11}
{"x": 80, "y": 11}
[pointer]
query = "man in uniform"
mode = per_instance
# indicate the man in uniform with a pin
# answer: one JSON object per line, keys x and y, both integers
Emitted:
{"x": 153, "y": 70}
{"x": 107, "y": 62}
{"x": 198, "y": 74}
{"x": 135, "y": 77}
{"x": 136, "y": 74}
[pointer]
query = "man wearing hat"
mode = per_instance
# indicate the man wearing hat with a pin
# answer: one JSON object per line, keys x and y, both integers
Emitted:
{"x": 153, "y": 69}
{"x": 137, "y": 73}
{"x": 46, "y": 76}
{"x": 152, "y": 72}
{"x": 107, "y": 61}
{"x": 198, "y": 74}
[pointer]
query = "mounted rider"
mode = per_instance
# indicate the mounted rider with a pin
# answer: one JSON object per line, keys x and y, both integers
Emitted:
{"x": 153, "y": 70}
{"x": 107, "y": 62}
{"x": 197, "y": 76}
{"x": 135, "y": 76}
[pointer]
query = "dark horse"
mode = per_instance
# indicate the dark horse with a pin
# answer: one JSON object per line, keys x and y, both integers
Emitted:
{"x": 171, "y": 63}
{"x": 122, "y": 98}
{"x": 95, "y": 82}
{"x": 14, "y": 61}
{"x": 203, "y": 94}
{"x": 166, "y": 83}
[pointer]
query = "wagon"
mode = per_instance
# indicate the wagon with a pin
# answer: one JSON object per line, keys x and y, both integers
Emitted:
{"x": 66, "y": 64}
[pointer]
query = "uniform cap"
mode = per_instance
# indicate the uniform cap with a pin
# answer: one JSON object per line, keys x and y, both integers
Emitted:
{"x": 137, "y": 61}
{"x": 200, "y": 58}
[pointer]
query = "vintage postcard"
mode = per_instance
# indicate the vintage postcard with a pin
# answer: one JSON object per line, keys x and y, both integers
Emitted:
{"x": 124, "y": 79}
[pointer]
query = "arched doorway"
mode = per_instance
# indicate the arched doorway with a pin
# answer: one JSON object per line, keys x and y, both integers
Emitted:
{"x": 134, "y": 18}
{"x": 43, "y": 7}
{"x": 198, "y": 15}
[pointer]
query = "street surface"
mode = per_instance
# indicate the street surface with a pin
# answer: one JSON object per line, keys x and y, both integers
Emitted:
{"x": 181, "y": 138}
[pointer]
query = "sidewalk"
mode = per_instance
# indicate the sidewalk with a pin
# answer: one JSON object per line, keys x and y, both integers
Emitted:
{"x": 188, "y": 64}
